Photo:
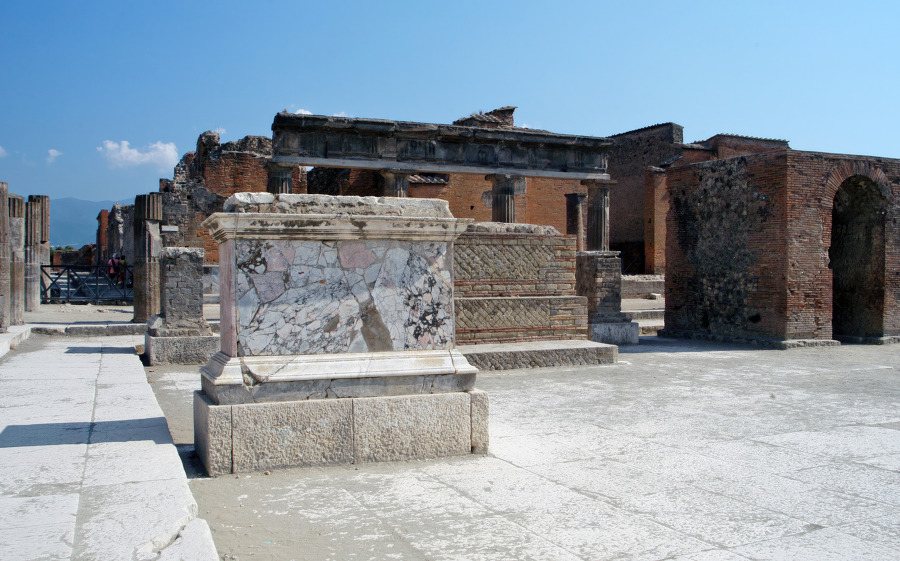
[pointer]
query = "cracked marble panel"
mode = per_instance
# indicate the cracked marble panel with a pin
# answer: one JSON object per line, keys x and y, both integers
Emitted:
{"x": 310, "y": 297}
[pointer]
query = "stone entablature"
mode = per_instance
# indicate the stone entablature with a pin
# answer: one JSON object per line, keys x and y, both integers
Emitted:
{"x": 516, "y": 282}
{"x": 319, "y": 140}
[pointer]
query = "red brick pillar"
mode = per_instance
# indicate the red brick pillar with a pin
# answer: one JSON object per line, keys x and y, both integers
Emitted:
{"x": 655, "y": 209}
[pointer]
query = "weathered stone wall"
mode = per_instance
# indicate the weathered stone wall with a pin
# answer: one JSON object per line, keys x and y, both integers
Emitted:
{"x": 516, "y": 282}
{"x": 752, "y": 251}
{"x": 726, "y": 246}
{"x": 82, "y": 256}
{"x": 599, "y": 279}
{"x": 203, "y": 179}
{"x": 181, "y": 275}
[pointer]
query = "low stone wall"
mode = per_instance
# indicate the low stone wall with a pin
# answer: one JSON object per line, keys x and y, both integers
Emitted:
{"x": 516, "y": 282}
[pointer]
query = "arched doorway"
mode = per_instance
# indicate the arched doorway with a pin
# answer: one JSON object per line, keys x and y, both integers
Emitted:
{"x": 857, "y": 260}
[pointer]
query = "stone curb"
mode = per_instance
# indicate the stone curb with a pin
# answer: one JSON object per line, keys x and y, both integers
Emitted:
{"x": 13, "y": 337}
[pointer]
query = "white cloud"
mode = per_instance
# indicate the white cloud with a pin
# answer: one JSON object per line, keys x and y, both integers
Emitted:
{"x": 341, "y": 114}
{"x": 219, "y": 130}
{"x": 302, "y": 112}
{"x": 163, "y": 155}
{"x": 52, "y": 154}
{"x": 3, "y": 153}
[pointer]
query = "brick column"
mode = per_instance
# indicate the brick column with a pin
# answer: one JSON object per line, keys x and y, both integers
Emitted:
{"x": 280, "y": 179}
{"x": 147, "y": 250}
{"x": 17, "y": 259}
{"x": 575, "y": 218}
{"x": 503, "y": 196}
{"x": 5, "y": 307}
{"x": 102, "y": 225}
{"x": 655, "y": 208}
{"x": 598, "y": 214}
{"x": 396, "y": 182}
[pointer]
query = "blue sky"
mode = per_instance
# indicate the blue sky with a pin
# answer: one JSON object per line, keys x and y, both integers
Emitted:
{"x": 99, "y": 99}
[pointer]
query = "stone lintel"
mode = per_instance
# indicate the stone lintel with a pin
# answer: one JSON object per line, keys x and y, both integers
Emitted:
{"x": 381, "y": 144}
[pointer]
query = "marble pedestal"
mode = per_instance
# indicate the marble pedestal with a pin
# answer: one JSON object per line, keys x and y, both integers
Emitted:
{"x": 337, "y": 336}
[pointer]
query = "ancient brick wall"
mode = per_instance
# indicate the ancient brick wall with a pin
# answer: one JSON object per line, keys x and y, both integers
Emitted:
{"x": 516, "y": 283}
{"x": 726, "y": 248}
{"x": 599, "y": 279}
{"x": 630, "y": 155}
{"x": 815, "y": 180}
{"x": 203, "y": 179}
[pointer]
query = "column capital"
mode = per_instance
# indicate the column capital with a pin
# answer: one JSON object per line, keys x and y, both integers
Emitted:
{"x": 396, "y": 182}
{"x": 280, "y": 179}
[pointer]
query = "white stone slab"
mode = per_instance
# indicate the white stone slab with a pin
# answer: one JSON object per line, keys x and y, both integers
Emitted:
{"x": 37, "y": 527}
{"x": 111, "y": 463}
{"x": 828, "y": 544}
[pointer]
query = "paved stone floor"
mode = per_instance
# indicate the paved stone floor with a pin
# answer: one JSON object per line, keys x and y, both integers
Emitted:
{"x": 88, "y": 470}
{"x": 684, "y": 450}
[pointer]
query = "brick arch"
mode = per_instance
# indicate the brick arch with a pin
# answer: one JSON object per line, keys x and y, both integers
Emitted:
{"x": 850, "y": 168}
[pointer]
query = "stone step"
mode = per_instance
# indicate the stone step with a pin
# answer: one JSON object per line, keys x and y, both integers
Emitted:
{"x": 645, "y": 314}
{"x": 538, "y": 354}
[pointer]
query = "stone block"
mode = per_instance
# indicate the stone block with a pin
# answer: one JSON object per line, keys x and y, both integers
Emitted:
{"x": 212, "y": 435}
{"x": 412, "y": 427}
{"x": 180, "y": 350}
{"x": 615, "y": 333}
{"x": 480, "y": 410}
{"x": 293, "y": 433}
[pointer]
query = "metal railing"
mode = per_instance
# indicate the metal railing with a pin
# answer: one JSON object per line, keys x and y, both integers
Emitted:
{"x": 86, "y": 283}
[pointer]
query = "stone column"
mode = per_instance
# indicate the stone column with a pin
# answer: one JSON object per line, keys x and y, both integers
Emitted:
{"x": 575, "y": 218}
{"x": 147, "y": 250}
{"x": 280, "y": 179}
{"x": 503, "y": 196}
{"x": 17, "y": 259}
{"x": 5, "y": 307}
{"x": 598, "y": 214}
{"x": 598, "y": 277}
{"x": 33, "y": 252}
{"x": 396, "y": 182}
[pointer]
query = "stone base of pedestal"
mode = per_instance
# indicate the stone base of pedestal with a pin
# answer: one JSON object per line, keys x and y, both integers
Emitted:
{"x": 615, "y": 332}
{"x": 180, "y": 350}
{"x": 258, "y": 436}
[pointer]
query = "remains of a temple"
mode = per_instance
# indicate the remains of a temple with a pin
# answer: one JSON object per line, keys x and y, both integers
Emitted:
{"x": 180, "y": 334}
{"x": 17, "y": 259}
{"x": 5, "y": 292}
{"x": 37, "y": 247}
{"x": 148, "y": 247}
{"x": 599, "y": 279}
{"x": 575, "y": 218}
{"x": 784, "y": 248}
{"x": 337, "y": 336}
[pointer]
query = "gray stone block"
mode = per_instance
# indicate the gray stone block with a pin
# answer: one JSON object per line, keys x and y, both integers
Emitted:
{"x": 212, "y": 435}
{"x": 412, "y": 427}
{"x": 615, "y": 333}
{"x": 180, "y": 350}
{"x": 480, "y": 410}
{"x": 294, "y": 433}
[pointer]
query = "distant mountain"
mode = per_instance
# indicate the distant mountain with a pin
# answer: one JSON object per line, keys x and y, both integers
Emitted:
{"x": 74, "y": 221}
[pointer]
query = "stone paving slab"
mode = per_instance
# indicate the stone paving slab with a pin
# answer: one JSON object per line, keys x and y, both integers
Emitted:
{"x": 88, "y": 469}
{"x": 683, "y": 450}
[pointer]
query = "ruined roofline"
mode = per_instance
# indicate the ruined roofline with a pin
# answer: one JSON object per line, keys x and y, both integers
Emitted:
{"x": 384, "y": 127}
{"x": 744, "y": 137}
{"x": 647, "y": 128}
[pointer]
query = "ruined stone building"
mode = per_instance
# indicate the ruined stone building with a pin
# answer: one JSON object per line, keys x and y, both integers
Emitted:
{"x": 782, "y": 246}
{"x": 201, "y": 182}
